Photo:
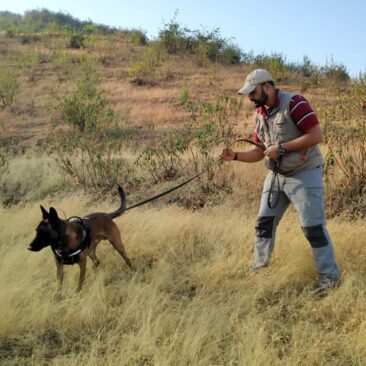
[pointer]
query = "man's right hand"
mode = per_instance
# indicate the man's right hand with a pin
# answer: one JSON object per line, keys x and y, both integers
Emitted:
{"x": 227, "y": 155}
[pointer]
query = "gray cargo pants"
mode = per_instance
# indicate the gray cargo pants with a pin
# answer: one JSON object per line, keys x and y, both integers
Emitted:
{"x": 305, "y": 191}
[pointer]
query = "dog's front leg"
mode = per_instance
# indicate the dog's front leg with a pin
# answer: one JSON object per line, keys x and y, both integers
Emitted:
{"x": 60, "y": 278}
{"x": 82, "y": 265}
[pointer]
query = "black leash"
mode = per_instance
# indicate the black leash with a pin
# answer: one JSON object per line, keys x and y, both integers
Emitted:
{"x": 165, "y": 192}
{"x": 272, "y": 191}
{"x": 261, "y": 146}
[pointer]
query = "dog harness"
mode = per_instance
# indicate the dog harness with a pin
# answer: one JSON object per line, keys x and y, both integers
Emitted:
{"x": 66, "y": 257}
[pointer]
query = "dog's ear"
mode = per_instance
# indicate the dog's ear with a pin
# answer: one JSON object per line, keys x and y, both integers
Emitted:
{"x": 53, "y": 215}
{"x": 45, "y": 214}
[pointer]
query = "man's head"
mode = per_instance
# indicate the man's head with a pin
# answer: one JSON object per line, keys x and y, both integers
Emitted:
{"x": 259, "y": 87}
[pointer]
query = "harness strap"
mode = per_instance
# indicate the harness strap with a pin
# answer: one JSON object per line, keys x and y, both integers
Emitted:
{"x": 73, "y": 257}
{"x": 59, "y": 253}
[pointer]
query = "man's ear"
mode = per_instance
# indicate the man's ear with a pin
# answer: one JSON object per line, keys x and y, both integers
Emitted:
{"x": 45, "y": 214}
{"x": 53, "y": 215}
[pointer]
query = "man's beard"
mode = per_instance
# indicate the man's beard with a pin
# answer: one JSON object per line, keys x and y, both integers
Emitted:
{"x": 262, "y": 99}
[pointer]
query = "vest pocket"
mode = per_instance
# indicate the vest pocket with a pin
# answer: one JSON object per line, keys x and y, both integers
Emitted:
{"x": 281, "y": 128}
{"x": 291, "y": 161}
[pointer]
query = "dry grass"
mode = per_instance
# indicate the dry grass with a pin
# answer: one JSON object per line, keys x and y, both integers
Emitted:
{"x": 190, "y": 301}
{"x": 31, "y": 177}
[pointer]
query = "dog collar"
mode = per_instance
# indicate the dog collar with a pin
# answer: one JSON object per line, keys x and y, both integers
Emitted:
{"x": 59, "y": 253}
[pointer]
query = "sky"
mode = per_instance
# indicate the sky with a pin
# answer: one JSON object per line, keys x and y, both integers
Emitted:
{"x": 323, "y": 30}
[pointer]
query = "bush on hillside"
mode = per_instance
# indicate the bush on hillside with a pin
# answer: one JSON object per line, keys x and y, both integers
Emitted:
{"x": 275, "y": 63}
{"x": 335, "y": 72}
{"x": 146, "y": 70}
{"x": 136, "y": 36}
{"x": 40, "y": 20}
{"x": 307, "y": 68}
{"x": 85, "y": 108}
{"x": 164, "y": 160}
{"x": 208, "y": 46}
{"x": 9, "y": 86}
{"x": 77, "y": 40}
{"x": 346, "y": 141}
{"x": 231, "y": 54}
{"x": 330, "y": 72}
{"x": 90, "y": 152}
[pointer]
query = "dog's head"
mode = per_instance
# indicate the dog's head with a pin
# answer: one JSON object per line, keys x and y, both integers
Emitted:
{"x": 50, "y": 231}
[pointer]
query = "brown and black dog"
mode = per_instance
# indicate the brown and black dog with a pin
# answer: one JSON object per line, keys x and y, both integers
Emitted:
{"x": 73, "y": 240}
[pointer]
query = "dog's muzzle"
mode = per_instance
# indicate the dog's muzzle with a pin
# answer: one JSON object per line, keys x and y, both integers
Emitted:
{"x": 34, "y": 249}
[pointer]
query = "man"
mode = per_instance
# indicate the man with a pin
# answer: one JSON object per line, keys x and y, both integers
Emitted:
{"x": 289, "y": 131}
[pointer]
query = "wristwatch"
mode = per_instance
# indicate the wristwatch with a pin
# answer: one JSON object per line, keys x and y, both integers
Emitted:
{"x": 281, "y": 150}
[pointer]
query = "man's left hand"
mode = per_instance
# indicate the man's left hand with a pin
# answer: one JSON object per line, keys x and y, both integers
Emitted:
{"x": 272, "y": 152}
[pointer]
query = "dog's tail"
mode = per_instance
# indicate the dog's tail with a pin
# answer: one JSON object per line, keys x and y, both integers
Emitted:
{"x": 122, "y": 207}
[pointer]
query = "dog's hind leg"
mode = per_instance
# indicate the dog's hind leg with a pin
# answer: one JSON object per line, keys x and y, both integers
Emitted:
{"x": 115, "y": 240}
{"x": 117, "y": 244}
{"x": 92, "y": 254}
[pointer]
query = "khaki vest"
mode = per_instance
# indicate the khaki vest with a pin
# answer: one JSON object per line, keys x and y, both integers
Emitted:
{"x": 281, "y": 128}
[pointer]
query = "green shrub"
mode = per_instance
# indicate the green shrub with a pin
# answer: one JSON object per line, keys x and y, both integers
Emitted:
{"x": 275, "y": 63}
{"x": 332, "y": 71}
{"x": 174, "y": 39}
{"x": 146, "y": 70}
{"x": 9, "y": 86}
{"x": 137, "y": 37}
{"x": 89, "y": 29}
{"x": 345, "y": 135}
{"x": 208, "y": 46}
{"x": 11, "y": 33}
{"x": 335, "y": 72}
{"x": 94, "y": 159}
{"x": 77, "y": 40}
{"x": 231, "y": 54}
{"x": 85, "y": 108}
{"x": 307, "y": 68}
{"x": 81, "y": 112}
{"x": 90, "y": 152}
{"x": 207, "y": 49}
{"x": 164, "y": 160}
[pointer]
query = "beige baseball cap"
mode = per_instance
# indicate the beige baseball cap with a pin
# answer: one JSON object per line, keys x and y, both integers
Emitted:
{"x": 256, "y": 77}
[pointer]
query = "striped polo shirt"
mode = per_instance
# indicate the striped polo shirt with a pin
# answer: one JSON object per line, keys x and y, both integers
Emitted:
{"x": 300, "y": 111}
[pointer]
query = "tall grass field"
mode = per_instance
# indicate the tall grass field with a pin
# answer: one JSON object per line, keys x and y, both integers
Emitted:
{"x": 190, "y": 300}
